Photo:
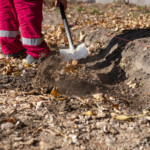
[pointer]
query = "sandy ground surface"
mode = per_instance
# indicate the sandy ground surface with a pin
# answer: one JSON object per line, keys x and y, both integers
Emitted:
{"x": 99, "y": 102}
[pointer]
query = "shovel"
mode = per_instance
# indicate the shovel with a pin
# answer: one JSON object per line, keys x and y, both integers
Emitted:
{"x": 71, "y": 53}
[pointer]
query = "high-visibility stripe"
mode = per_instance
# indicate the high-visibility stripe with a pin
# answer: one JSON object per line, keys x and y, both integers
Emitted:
{"x": 5, "y": 33}
{"x": 34, "y": 41}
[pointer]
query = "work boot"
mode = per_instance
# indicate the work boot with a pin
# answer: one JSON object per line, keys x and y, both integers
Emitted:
{"x": 30, "y": 59}
{"x": 21, "y": 54}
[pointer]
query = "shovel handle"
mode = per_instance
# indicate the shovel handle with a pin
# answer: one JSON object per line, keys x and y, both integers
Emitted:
{"x": 65, "y": 22}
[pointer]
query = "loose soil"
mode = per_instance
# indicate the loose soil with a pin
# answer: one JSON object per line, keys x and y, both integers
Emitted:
{"x": 32, "y": 118}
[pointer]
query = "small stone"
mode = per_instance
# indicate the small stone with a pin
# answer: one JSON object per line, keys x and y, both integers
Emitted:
{"x": 98, "y": 124}
{"x": 88, "y": 129}
{"x": 143, "y": 120}
{"x": 16, "y": 144}
{"x": 18, "y": 138}
{"x": 112, "y": 130}
{"x": 121, "y": 148}
{"x": 110, "y": 142}
{"x": 12, "y": 93}
{"x": 50, "y": 118}
{"x": 19, "y": 98}
{"x": 99, "y": 96}
{"x": 82, "y": 147}
{"x": 46, "y": 116}
{"x": 105, "y": 129}
{"x": 73, "y": 137}
{"x": 44, "y": 146}
{"x": 20, "y": 125}
{"x": 7, "y": 125}
{"x": 39, "y": 104}
{"x": 101, "y": 115}
{"x": 30, "y": 142}
{"x": 148, "y": 118}
{"x": 73, "y": 117}
{"x": 80, "y": 126}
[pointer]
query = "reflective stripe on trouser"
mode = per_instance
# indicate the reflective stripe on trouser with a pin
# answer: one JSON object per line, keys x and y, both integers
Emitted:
{"x": 33, "y": 42}
{"x": 8, "y": 34}
{"x": 28, "y": 16}
{"x": 9, "y": 27}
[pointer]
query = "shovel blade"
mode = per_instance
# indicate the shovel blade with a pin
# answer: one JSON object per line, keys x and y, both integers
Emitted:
{"x": 80, "y": 52}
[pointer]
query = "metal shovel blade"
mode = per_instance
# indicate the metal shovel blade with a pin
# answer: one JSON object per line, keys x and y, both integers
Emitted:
{"x": 78, "y": 53}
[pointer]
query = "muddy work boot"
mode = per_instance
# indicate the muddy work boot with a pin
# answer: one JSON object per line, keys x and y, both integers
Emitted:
{"x": 30, "y": 59}
{"x": 21, "y": 54}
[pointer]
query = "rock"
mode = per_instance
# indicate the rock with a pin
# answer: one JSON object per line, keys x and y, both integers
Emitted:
{"x": 73, "y": 116}
{"x": 50, "y": 118}
{"x": 7, "y": 125}
{"x": 121, "y": 148}
{"x": 82, "y": 147}
{"x": 30, "y": 142}
{"x": 112, "y": 98}
{"x": 17, "y": 144}
{"x": 12, "y": 93}
{"x": 110, "y": 142}
{"x": 101, "y": 114}
{"x": 105, "y": 129}
{"x": 39, "y": 104}
{"x": 74, "y": 138}
{"x": 99, "y": 96}
{"x": 98, "y": 124}
{"x": 18, "y": 138}
{"x": 112, "y": 130}
{"x": 44, "y": 146}
{"x": 20, "y": 125}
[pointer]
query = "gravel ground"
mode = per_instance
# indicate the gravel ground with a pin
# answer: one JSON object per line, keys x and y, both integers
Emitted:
{"x": 100, "y": 102}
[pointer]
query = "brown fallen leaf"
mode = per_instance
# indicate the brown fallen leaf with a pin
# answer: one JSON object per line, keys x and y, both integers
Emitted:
{"x": 89, "y": 113}
{"x": 11, "y": 120}
{"x": 74, "y": 62}
{"x": 55, "y": 92}
{"x": 124, "y": 117}
{"x": 62, "y": 98}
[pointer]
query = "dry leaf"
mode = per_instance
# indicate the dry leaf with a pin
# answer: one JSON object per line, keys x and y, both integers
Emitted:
{"x": 121, "y": 117}
{"x": 124, "y": 117}
{"x": 74, "y": 62}
{"x": 11, "y": 120}
{"x": 62, "y": 99}
{"x": 32, "y": 92}
{"x": 115, "y": 106}
{"x": 26, "y": 65}
{"x": 89, "y": 113}
{"x": 55, "y": 92}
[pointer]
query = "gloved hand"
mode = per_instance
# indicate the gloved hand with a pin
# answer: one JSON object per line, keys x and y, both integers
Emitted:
{"x": 63, "y": 2}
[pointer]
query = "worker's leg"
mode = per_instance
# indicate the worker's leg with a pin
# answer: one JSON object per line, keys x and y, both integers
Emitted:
{"x": 9, "y": 28}
{"x": 30, "y": 19}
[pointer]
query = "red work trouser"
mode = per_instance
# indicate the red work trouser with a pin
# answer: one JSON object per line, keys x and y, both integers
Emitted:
{"x": 26, "y": 15}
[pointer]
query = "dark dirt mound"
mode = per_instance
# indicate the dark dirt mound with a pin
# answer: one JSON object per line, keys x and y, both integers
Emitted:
{"x": 52, "y": 72}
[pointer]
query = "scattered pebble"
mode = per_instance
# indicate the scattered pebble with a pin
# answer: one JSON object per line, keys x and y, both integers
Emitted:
{"x": 7, "y": 125}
